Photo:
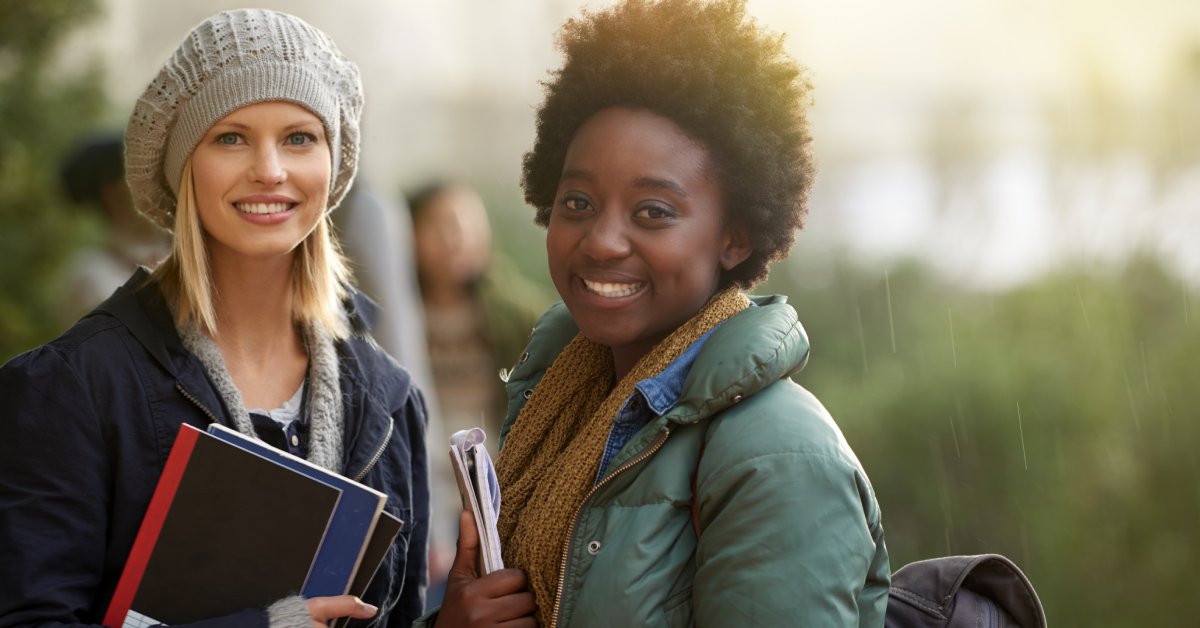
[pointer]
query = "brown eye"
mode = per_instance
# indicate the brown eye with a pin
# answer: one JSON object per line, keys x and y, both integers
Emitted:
{"x": 655, "y": 212}
{"x": 576, "y": 203}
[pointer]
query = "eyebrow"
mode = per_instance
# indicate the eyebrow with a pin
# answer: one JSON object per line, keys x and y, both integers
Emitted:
{"x": 577, "y": 174}
{"x": 291, "y": 127}
{"x": 659, "y": 184}
{"x": 641, "y": 182}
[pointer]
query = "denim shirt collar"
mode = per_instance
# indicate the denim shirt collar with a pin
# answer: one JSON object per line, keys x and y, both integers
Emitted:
{"x": 652, "y": 396}
{"x": 662, "y": 391}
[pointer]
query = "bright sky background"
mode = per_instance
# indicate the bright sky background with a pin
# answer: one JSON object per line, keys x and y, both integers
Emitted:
{"x": 452, "y": 85}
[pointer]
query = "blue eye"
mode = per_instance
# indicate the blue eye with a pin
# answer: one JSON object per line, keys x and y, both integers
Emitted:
{"x": 229, "y": 139}
{"x": 300, "y": 139}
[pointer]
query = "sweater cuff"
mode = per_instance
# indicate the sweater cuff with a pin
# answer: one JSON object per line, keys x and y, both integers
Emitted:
{"x": 290, "y": 612}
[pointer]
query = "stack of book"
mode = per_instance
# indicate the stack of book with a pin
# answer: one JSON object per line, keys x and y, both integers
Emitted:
{"x": 235, "y": 523}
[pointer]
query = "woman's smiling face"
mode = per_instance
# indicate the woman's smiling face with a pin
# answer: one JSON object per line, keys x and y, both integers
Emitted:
{"x": 261, "y": 177}
{"x": 637, "y": 237}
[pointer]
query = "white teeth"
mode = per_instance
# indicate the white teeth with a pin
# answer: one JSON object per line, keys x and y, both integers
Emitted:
{"x": 262, "y": 208}
{"x": 612, "y": 290}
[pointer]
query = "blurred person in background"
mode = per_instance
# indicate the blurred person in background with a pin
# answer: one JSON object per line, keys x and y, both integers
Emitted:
{"x": 478, "y": 311}
{"x": 93, "y": 175}
{"x": 376, "y": 236}
{"x": 241, "y": 147}
{"x": 658, "y": 464}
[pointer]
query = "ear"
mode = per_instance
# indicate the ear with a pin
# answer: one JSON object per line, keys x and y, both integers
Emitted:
{"x": 736, "y": 247}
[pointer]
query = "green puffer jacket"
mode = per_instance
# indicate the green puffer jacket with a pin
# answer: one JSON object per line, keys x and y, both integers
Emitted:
{"x": 790, "y": 528}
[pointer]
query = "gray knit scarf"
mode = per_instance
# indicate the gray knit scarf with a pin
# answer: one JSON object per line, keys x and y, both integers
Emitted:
{"x": 326, "y": 422}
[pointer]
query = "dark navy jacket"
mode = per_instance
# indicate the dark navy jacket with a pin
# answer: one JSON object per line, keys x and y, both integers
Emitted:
{"x": 87, "y": 421}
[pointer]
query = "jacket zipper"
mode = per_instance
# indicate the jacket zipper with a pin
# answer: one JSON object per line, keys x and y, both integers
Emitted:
{"x": 566, "y": 553}
{"x": 378, "y": 453}
{"x": 189, "y": 397}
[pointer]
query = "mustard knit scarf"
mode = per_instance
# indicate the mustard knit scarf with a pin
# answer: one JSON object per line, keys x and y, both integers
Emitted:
{"x": 552, "y": 453}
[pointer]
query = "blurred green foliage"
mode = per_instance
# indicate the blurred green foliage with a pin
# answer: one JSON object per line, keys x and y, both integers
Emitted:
{"x": 43, "y": 109}
{"x": 1054, "y": 423}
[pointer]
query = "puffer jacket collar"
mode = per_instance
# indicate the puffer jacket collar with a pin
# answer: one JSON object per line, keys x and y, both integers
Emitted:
{"x": 745, "y": 354}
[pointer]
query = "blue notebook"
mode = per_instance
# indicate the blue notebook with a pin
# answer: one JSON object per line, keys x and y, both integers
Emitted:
{"x": 350, "y": 528}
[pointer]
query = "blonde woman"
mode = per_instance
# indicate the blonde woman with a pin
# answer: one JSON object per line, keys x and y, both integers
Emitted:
{"x": 241, "y": 146}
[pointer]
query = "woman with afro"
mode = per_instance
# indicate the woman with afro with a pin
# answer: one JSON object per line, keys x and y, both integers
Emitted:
{"x": 658, "y": 466}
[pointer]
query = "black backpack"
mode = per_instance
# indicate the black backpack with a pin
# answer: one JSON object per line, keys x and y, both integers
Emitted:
{"x": 984, "y": 591}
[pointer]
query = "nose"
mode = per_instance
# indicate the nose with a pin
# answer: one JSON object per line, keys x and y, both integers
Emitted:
{"x": 606, "y": 236}
{"x": 268, "y": 166}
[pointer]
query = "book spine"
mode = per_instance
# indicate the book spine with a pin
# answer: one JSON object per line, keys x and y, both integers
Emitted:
{"x": 147, "y": 536}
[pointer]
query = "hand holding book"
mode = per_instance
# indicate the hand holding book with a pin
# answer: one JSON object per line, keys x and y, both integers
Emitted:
{"x": 479, "y": 590}
{"x": 236, "y": 524}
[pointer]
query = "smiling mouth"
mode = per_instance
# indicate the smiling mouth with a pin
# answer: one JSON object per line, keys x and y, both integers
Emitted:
{"x": 612, "y": 290}
{"x": 263, "y": 208}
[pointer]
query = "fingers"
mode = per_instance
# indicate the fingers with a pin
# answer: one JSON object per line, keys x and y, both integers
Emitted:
{"x": 323, "y": 609}
{"x": 503, "y": 582}
{"x": 514, "y": 606}
{"x": 473, "y": 609}
{"x": 499, "y": 598}
{"x": 467, "y": 556}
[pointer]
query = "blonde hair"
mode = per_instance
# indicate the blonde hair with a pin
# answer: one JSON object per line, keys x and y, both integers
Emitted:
{"x": 320, "y": 273}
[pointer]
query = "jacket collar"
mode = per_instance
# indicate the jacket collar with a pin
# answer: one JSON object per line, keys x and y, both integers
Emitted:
{"x": 140, "y": 307}
{"x": 747, "y": 353}
{"x": 742, "y": 356}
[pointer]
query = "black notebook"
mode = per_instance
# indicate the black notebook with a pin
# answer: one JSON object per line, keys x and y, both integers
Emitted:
{"x": 229, "y": 529}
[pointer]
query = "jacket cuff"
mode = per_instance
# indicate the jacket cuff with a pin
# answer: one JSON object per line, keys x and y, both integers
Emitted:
{"x": 290, "y": 612}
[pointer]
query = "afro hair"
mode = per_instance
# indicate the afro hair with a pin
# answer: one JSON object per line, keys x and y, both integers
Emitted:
{"x": 725, "y": 81}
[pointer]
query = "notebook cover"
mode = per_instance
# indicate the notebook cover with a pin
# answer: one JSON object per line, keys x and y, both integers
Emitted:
{"x": 225, "y": 530}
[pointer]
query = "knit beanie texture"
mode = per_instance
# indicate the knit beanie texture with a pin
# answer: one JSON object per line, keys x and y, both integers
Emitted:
{"x": 230, "y": 60}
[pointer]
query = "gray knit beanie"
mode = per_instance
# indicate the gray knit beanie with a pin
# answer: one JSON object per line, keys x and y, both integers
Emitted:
{"x": 230, "y": 60}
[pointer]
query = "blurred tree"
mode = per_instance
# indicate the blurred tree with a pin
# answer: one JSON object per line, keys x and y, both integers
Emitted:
{"x": 43, "y": 109}
{"x": 1054, "y": 423}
